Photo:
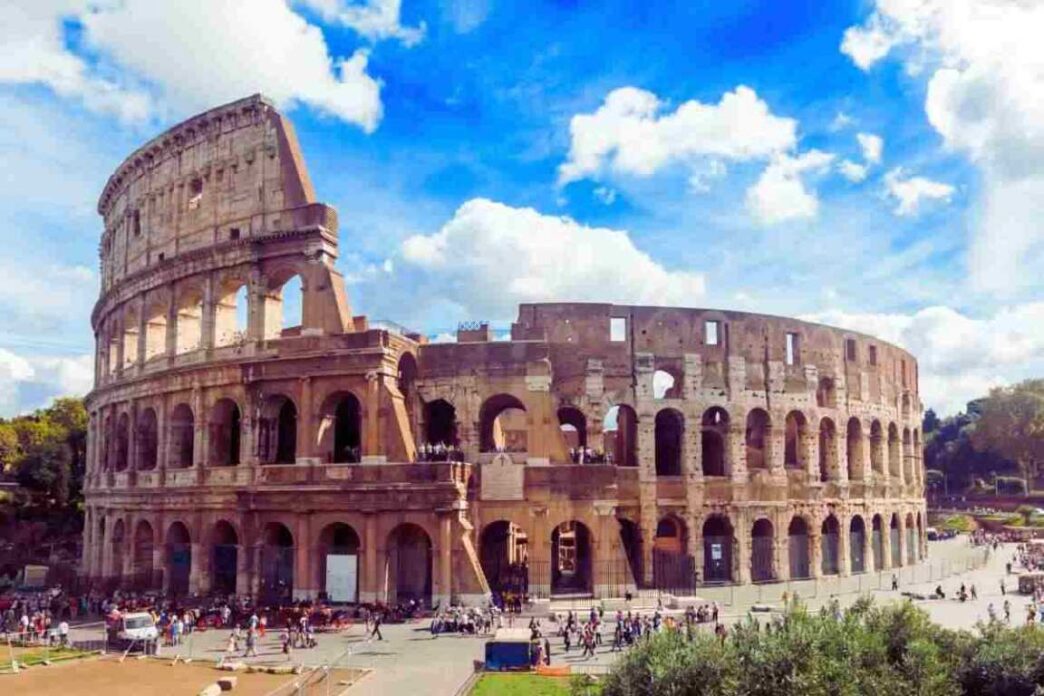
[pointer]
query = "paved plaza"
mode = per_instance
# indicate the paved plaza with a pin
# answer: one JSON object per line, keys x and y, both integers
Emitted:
{"x": 409, "y": 661}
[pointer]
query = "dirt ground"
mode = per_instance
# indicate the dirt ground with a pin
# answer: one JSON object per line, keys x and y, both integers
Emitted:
{"x": 135, "y": 677}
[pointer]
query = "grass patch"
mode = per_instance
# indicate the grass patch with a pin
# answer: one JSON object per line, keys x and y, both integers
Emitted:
{"x": 32, "y": 657}
{"x": 520, "y": 685}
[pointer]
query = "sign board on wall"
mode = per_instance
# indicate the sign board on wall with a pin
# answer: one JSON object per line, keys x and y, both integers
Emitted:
{"x": 502, "y": 479}
{"x": 341, "y": 577}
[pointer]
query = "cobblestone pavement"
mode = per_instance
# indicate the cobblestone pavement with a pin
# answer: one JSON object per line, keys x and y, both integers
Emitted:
{"x": 409, "y": 662}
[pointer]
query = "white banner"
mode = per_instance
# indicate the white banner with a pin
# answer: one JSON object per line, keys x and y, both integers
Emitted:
{"x": 341, "y": 577}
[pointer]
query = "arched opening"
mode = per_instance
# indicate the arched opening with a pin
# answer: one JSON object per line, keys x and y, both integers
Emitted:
{"x": 144, "y": 544}
{"x": 225, "y": 428}
{"x": 911, "y": 539}
{"x": 793, "y": 448}
{"x": 895, "y": 462}
{"x": 155, "y": 330}
{"x": 669, "y": 429}
{"x": 504, "y": 556}
{"x": 277, "y": 434}
{"x": 148, "y": 440}
{"x": 631, "y": 541}
{"x": 409, "y": 565}
{"x": 907, "y": 456}
{"x": 717, "y": 549}
{"x": 118, "y": 543}
{"x": 339, "y": 563}
{"x": 893, "y": 538}
{"x": 122, "y": 442}
{"x": 798, "y": 549}
{"x": 130, "y": 337}
{"x": 573, "y": 425}
{"x": 877, "y": 542}
{"x": 854, "y": 449}
{"x": 877, "y": 458}
{"x": 826, "y": 393}
{"x": 917, "y": 458}
{"x": 762, "y": 551}
{"x": 406, "y": 380}
{"x": 830, "y": 544}
{"x": 189, "y": 326}
{"x": 277, "y": 564}
{"x": 440, "y": 423}
{"x": 571, "y": 559}
{"x": 920, "y": 538}
{"x": 674, "y": 570}
{"x": 666, "y": 385}
{"x": 182, "y": 437}
{"x": 224, "y": 558}
{"x": 827, "y": 450}
{"x": 857, "y": 544}
{"x": 757, "y": 438}
{"x": 714, "y": 429}
{"x": 284, "y": 305}
{"x": 906, "y": 406}
{"x": 340, "y": 428}
{"x": 231, "y": 311}
{"x": 502, "y": 425}
{"x": 179, "y": 559}
{"x": 620, "y": 426}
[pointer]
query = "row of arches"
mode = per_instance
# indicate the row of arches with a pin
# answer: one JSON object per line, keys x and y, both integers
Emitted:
{"x": 228, "y": 564}
{"x": 183, "y": 321}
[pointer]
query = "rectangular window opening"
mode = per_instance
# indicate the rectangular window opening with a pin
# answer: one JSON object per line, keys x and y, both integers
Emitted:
{"x": 617, "y": 329}
{"x": 233, "y": 233}
{"x": 711, "y": 333}
{"x": 873, "y": 355}
{"x": 850, "y": 349}
{"x": 792, "y": 349}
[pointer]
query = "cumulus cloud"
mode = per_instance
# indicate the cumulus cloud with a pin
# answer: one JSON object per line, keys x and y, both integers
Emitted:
{"x": 985, "y": 97}
{"x": 780, "y": 194}
{"x": 852, "y": 171}
{"x": 148, "y": 58}
{"x": 29, "y": 382}
{"x": 374, "y": 19}
{"x": 489, "y": 257}
{"x": 633, "y": 133}
{"x": 959, "y": 357}
{"x": 910, "y": 191}
{"x": 872, "y": 146}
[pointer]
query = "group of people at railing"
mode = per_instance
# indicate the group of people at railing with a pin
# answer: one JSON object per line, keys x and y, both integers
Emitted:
{"x": 586, "y": 455}
{"x": 439, "y": 452}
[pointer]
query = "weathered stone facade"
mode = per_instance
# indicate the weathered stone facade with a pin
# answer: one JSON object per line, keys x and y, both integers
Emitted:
{"x": 228, "y": 452}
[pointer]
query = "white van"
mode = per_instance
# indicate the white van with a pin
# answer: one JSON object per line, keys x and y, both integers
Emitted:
{"x": 136, "y": 627}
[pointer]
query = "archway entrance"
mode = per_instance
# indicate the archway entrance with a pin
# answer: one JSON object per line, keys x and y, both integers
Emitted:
{"x": 831, "y": 564}
{"x": 631, "y": 541}
{"x": 620, "y": 428}
{"x": 674, "y": 570}
{"x": 339, "y": 563}
{"x": 225, "y": 433}
{"x": 179, "y": 559}
{"x": 571, "y": 559}
{"x": 762, "y": 551}
{"x": 277, "y": 564}
{"x": 504, "y": 555}
{"x": 277, "y": 436}
{"x": 717, "y": 549}
{"x": 224, "y": 558}
{"x": 669, "y": 428}
{"x": 143, "y": 556}
{"x": 857, "y": 544}
{"x": 409, "y": 565}
{"x": 797, "y": 548}
{"x": 502, "y": 425}
{"x": 440, "y": 423}
{"x": 877, "y": 543}
{"x": 714, "y": 428}
{"x": 118, "y": 542}
{"x": 340, "y": 428}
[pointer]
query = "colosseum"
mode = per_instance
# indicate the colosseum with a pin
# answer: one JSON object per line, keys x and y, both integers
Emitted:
{"x": 249, "y": 434}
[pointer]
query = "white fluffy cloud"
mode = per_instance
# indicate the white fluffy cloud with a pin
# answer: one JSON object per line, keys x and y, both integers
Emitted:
{"x": 985, "y": 97}
{"x": 374, "y": 19}
{"x": 910, "y": 191}
{"x": 490, "y": 256}
{"x": 632, "y": 133}
{"x": 140, "y": 58}
{"x": 30, "y": 382}
{"x": 852, "y": 171}
{"x": 780, "y": 194}
{"x": 959, "y": 357}
{"x": 872, "y": 147}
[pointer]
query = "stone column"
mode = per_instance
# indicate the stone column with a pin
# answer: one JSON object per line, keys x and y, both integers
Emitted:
{"x": 172, "y": 323}
{"x": 142, "y": 333}
{"x": 735, "y": 446}
{"x": 808, "y": 441}
{"x": 742, "y": 541}
{"x": 886, "y": 542}
{"x": 132, "y": 438}
{"x": 304, "y": 586}
{"x": 208, "y": 321}
{"x": 306, "y": 430}
{"x": 844, "y": 546}
{"x": 444, "y": 591}
{"x": 370, "y": 590}
{"x": 815, "y": 542}
{"x": 781, "y": 554}
{"x": 775, "y": 456}
{"x": 695, "y": 543}
{"x": 902, "y": 541}
{"x": 199, "y": 429}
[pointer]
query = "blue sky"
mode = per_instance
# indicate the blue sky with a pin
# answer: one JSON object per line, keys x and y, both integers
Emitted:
{"x": 870, "y": 164}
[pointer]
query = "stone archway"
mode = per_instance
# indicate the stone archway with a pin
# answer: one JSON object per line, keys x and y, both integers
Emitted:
{"x": 339, "y": 563}
{"x": 571, "y": 559}
{"x": 504, "y": 557}
{"x": 409, "y": 561}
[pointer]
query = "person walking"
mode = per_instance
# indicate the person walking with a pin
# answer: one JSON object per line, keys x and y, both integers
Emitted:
{"x": 376, "y": 627}
{"x": 1007, "y": 611}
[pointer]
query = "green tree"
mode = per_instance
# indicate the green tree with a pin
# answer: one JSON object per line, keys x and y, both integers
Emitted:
{"x": 1011, "y": 423}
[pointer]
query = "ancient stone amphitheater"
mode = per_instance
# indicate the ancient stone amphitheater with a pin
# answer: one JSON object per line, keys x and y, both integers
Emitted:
{"x": 250, "y": 435}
